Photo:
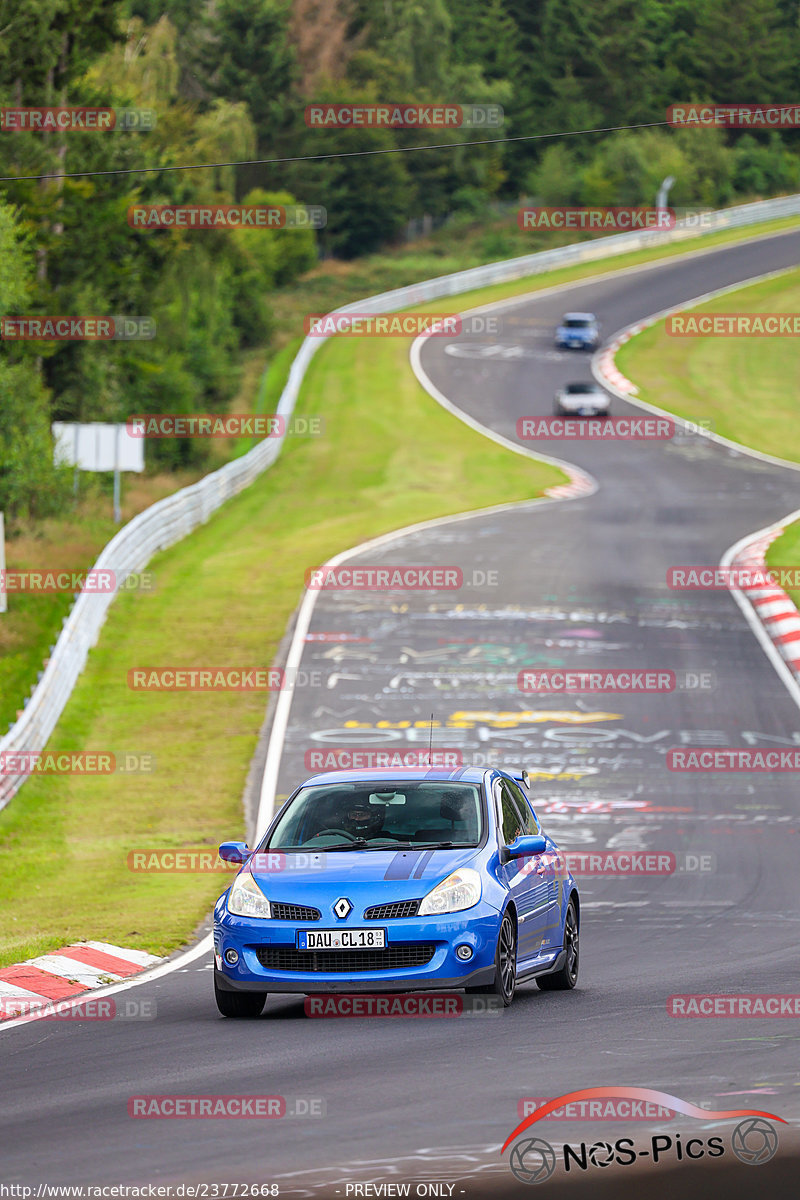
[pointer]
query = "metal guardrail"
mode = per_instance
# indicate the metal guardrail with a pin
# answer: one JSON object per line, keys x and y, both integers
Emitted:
{"x": 171, "y": 519}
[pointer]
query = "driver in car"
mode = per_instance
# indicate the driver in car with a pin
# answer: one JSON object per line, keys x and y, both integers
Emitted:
{"x": 362, "y": 819}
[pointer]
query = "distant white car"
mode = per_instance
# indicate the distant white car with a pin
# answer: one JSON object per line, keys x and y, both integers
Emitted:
{"x": 578, "y": 331}
{"x": 581, "y": 400}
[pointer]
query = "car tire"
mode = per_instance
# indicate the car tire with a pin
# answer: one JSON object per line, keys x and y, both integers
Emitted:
{"x": 239, "y": 1004}
{"x": 505, "y": 964}
{"x": 567, "y": 977}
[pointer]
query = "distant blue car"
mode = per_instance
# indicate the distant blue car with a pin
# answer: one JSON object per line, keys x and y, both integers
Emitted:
{"x": 578, "y": 331}
{"x": 377, "y": 881}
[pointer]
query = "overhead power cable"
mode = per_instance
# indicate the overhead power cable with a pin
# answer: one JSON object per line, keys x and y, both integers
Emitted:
{"x": 254, "y": 162}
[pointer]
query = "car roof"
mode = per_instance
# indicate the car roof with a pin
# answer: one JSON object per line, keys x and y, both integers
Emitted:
{"x": 400, "y": 775}
{"x": 583, "y": 315}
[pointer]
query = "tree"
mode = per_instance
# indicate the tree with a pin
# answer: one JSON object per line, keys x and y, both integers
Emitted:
{"x": 742, "y": 51}
{"x": 249, "y": 59}
{"x": 367, "y": 198}
{"x": 30, "y": 485}
{"x": 320, "y": 35}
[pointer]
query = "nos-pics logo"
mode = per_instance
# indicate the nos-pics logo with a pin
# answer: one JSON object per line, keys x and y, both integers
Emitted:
{"x": 754, "y": 1140}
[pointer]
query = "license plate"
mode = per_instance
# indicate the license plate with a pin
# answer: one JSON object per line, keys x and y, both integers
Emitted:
{"x": 341, "y": 939}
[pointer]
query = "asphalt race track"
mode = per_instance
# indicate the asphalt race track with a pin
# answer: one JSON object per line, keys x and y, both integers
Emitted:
{"x": 576, "y": 583}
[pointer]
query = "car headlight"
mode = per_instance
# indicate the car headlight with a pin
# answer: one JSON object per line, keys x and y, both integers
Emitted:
{"x": 246, "y": 899}
{"x": 460, "y": 890}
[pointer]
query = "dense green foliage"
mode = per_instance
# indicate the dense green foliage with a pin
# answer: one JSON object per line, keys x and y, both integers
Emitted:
{"x": 230, "y": 80}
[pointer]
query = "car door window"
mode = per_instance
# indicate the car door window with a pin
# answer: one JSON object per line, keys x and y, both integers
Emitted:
{"x": 530, "y": 824}
{"x": 511, "y": 821}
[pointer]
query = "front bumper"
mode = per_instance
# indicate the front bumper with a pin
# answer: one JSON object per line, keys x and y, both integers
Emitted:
{"x": 587, "y": 410}
{"x": 477, "y": 928}
{"x": 571, "y": 343}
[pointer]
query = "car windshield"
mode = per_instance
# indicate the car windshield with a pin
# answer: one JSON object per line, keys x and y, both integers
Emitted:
{"x": 381, "y": 815}
{"x": 580, "y": 389}
{"x": 577, "y": 322}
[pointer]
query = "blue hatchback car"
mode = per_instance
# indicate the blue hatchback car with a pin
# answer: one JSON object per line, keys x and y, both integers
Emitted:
{"x": 396, "y": 881}
{"x": 578, "y": 331}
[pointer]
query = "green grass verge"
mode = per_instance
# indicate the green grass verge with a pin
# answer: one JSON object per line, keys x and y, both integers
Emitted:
{"x": 785, "y": 552}
{"x": 390, "y": 457}
{"x": 749, "y": 388}
{"x": 69, "y": 542}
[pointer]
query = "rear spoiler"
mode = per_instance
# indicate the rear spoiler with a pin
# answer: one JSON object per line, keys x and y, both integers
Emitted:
{"x": 521, "y": 777}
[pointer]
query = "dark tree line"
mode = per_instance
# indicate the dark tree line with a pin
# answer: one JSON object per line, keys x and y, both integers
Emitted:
{"x": 230, "y": 80}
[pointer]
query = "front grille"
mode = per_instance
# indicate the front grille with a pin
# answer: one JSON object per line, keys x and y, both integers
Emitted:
{"x": 386, "y": 912}
{"x": 294, "y": 912}
{"x": 393, "y": 958}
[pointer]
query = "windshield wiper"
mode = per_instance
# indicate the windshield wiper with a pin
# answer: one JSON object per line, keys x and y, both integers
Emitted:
{"x": 387, "y": 845}
{"x": 363, "y": 844}
{"x": 391, "y": 844}
{"x": 357, "y": 844}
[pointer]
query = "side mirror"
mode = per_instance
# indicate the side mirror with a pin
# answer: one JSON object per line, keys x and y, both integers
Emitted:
{"x": 526, "y": 845}
{"x": 234, "y": 852}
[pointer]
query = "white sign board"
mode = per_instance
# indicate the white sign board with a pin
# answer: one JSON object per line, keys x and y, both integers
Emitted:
{"x": 97, "y": 447}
